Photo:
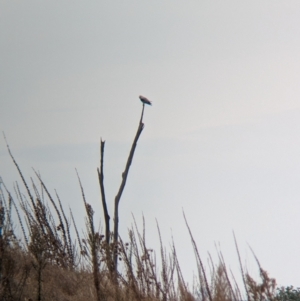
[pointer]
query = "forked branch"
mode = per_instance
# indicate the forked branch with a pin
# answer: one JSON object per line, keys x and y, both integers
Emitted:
{"x": 120, "y": 191}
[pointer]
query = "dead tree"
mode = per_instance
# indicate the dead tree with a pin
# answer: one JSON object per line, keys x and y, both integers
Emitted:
{"x": 113, "y": 264}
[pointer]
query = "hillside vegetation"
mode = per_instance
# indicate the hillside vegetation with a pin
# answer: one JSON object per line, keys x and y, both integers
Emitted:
{"x": 47, "y": 263}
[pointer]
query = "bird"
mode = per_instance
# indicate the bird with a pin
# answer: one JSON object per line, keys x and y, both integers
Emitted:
{"x": 145, "y": 100}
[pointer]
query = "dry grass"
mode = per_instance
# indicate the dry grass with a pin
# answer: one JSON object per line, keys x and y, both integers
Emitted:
{"x": 47, "y": 263}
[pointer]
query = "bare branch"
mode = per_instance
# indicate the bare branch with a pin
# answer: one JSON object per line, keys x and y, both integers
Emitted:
{"x": 123, "y": 183}
{"x": 101, "y": 183}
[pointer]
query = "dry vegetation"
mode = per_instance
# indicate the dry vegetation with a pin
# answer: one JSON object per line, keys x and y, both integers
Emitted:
{"x": 49, "y": 263}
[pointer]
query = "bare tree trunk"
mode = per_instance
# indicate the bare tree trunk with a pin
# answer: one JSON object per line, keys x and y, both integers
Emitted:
{"x": 123, "y": 183}
{"x": 109, "y": 259}
{"x": 113, "y": 257}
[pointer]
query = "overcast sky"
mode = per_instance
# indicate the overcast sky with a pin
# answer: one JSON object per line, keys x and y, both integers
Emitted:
{"x": 221, "y": 141}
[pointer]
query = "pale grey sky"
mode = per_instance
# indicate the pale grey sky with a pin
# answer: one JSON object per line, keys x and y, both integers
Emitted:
{"x": 221, "y": 140}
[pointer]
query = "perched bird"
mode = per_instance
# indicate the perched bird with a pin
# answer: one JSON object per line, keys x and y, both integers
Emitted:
{"x": 145, "y": 100}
